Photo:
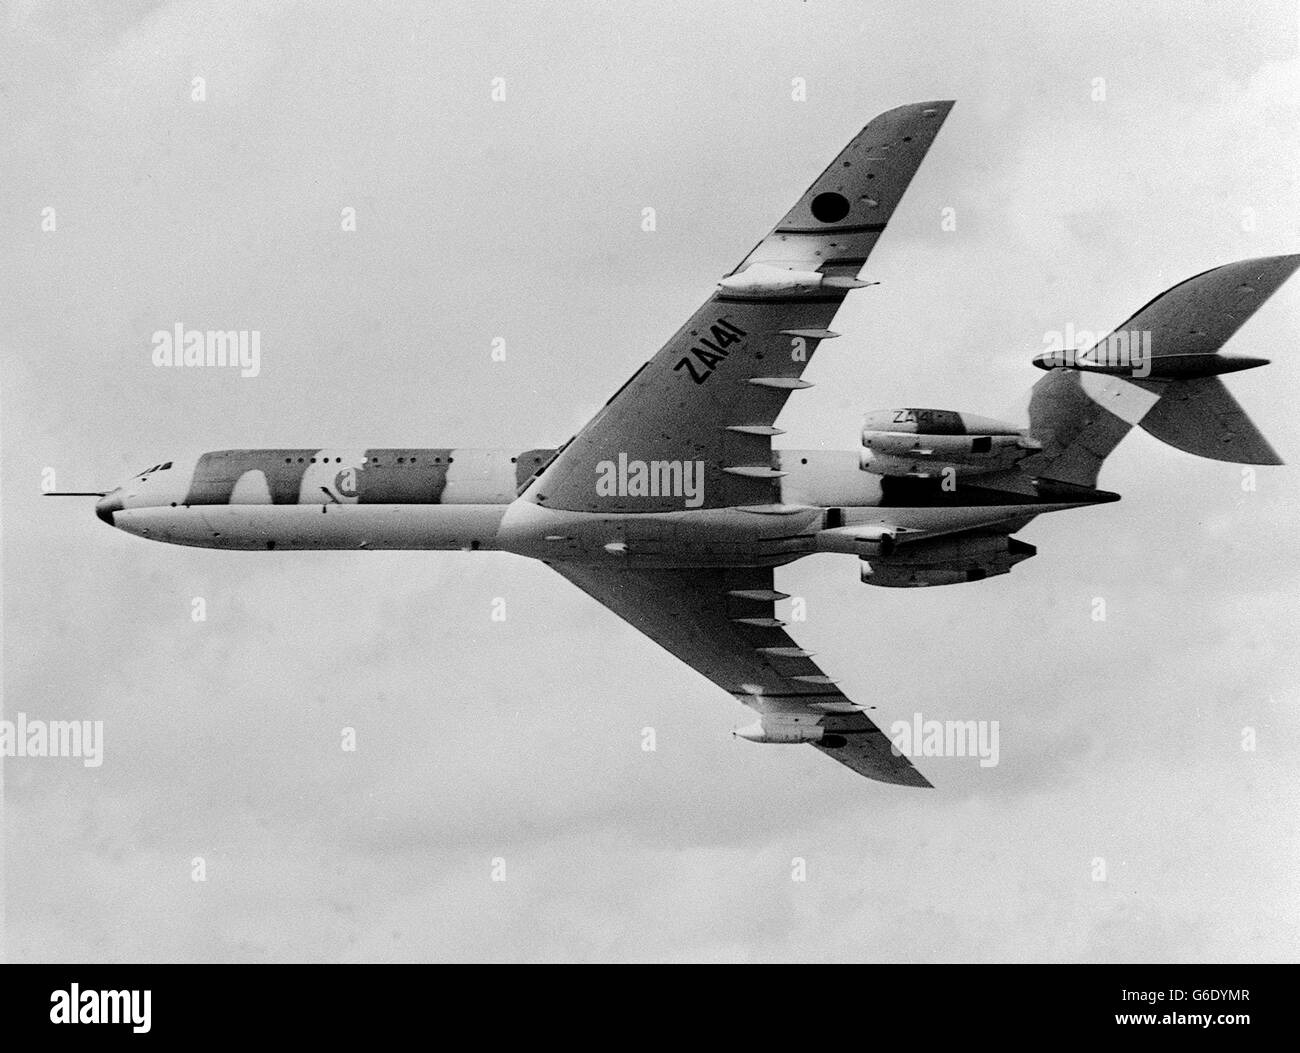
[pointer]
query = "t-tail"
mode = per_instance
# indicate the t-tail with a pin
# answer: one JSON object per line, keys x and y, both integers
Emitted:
{"x": 1161, "y": 370}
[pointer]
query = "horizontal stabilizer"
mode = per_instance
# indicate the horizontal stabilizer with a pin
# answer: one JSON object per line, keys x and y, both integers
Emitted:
{"x": 1201, "y": 417}
{"x": 1160, "y": 371}
{"x": 1197, "y": 317}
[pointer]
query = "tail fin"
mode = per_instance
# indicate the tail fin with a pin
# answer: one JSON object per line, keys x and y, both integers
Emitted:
{"x": 1160, "y": 371}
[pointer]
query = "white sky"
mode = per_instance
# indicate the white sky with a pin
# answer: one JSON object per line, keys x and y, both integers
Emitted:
{"x": 521, "y": 740}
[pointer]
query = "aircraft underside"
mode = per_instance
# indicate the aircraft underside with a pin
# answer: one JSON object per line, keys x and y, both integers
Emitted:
{"x": 671, "y": 505}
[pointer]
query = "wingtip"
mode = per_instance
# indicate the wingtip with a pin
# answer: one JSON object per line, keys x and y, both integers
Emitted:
{"x": 938, "y": 108}
{"x": 1285, "y": 264}
{"x": 910, "y": 776}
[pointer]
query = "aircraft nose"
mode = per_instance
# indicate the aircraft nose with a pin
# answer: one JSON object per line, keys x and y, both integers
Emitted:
{"x": 108, "y": 504}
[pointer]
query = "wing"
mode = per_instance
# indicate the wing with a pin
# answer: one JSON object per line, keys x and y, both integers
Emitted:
{"x": 721, "y": 623}
{"x": 714, "y": 391}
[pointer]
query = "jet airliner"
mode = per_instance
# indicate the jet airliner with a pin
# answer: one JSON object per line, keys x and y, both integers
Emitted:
{"x": 673, "y": 508}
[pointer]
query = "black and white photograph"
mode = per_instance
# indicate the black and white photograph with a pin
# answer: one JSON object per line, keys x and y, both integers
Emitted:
{"x": 727, "y": 482}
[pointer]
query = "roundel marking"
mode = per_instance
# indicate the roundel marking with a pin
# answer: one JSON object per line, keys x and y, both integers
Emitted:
{"x": 830, "y": 207}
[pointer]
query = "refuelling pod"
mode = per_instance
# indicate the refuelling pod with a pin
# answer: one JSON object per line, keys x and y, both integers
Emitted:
{"x": 923, "y": 442}
{"x": 767, "y": 280}
{"x": 784, "y": 728}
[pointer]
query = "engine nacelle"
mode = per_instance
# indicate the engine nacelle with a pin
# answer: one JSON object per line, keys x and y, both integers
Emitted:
{"x": 947, "y": 561}
{"x": 906, "y": 576}
{"x": 923, "y": 442}
{"x": 961, "y": 548}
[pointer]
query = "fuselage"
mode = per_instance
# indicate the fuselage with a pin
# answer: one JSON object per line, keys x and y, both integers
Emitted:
{"x": 325, "y": 498}
{"x": 442, "y": 498}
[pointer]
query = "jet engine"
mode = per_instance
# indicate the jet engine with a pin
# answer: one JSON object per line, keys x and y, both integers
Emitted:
{"x": 947, "y": 561}
{"x": 924, "y": 442}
